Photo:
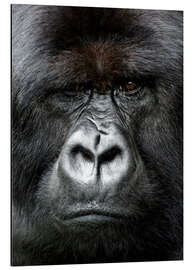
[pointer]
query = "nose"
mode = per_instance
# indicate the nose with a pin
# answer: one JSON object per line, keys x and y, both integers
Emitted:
{"x": 93, "y": 156}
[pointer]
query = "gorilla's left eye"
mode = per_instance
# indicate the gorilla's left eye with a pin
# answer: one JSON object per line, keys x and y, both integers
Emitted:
{"x": 130, "y": 87}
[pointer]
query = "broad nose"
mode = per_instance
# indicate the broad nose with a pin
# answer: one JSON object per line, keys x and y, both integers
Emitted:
{"x": 93, "y": 156}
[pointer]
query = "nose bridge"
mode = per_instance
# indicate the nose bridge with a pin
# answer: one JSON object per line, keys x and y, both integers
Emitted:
{"x": 103, "y": 126}
{"x": 102, "y": 136}
{"x": 96, "y": 135}
{"x": 101, "y": 106}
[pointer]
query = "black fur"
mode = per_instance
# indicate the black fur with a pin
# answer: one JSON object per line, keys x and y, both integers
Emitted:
{"x": 54, "y": 48}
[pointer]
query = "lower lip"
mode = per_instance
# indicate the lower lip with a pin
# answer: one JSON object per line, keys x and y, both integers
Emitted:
{"x": 93, "y": 218}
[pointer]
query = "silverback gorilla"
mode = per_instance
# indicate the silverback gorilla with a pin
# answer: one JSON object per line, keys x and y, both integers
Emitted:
{"x": 97, "y": 135}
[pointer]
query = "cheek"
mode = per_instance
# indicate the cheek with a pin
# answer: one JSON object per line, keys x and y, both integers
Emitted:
{"x": 136, "y": 108}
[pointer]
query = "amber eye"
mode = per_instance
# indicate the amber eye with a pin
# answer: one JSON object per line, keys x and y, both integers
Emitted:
{"x": 130, "y": 86}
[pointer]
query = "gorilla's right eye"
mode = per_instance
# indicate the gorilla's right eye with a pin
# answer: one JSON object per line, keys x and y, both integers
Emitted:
{"x": 69, "y": 93}
{"x": 78, "y": 90}
{"x": 65, "y": 99}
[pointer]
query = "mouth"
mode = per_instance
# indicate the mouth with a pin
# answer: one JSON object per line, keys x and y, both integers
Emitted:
{"x": 90, "y": 217}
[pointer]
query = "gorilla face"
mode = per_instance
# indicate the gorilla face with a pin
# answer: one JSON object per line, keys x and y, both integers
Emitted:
{"x": 97, "y": 135}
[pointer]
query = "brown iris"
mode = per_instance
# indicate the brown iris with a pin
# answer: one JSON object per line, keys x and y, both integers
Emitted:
{"x": 130, "y": 86}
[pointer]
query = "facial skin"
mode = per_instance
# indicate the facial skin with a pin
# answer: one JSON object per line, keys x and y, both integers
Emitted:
{"x": 97, "y": 135}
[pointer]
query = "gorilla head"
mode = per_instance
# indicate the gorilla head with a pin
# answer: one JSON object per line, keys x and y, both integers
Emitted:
{"x": 97, "y": 135}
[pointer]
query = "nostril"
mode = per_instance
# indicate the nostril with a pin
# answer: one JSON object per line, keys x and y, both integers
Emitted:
{"x": 85, "y": 153}
{"x": 110, "y": 155}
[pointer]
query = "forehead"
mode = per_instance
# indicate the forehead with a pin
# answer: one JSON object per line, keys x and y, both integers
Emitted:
{"x": 94, "y": 60}
{"x": 96, "y": 43}
{"x": 79, "y": 44}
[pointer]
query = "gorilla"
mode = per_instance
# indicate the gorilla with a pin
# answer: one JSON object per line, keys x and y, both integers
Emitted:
{"x": 97, "y": 135}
